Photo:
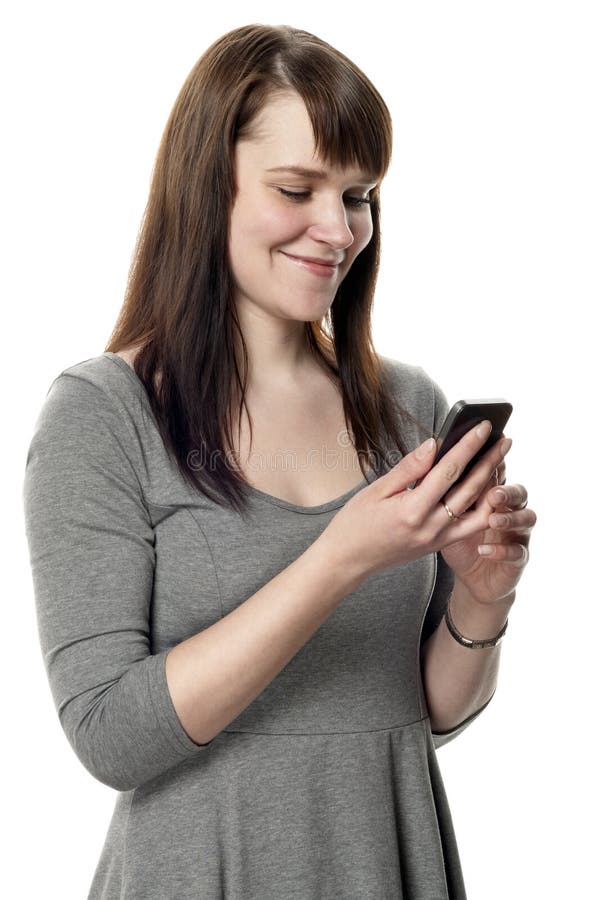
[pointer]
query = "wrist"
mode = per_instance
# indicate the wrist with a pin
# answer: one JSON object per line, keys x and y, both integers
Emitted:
{"x": 466, "y": 595}
{"x": 348, "y": 573}
{"x": 478, "y": 619}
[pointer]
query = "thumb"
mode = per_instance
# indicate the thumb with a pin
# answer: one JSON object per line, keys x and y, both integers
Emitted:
{"x": 412, "y": 467}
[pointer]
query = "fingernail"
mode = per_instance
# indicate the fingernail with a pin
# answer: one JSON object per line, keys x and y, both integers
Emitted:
{"x": 484, "y": 429}
{"x": 485, "y": 549}
{"x": 505, "y": 446}
{"x": 425, "y": 448}
{"x": 500, "y": 496}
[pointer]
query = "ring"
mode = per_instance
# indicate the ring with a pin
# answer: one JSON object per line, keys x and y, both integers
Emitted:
{"x": 450, "y": 513}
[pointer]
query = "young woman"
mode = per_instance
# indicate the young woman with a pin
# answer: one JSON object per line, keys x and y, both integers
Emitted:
{"x": 242, "y": 600}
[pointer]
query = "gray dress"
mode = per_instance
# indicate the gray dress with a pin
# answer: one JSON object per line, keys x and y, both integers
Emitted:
{"x": 327, "y": 786}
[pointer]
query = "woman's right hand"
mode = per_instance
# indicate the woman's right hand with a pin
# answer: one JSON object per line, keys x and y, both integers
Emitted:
{"x": 386, "y": 524}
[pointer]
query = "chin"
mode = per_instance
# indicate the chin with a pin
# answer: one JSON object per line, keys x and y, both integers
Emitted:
{"x": 308, "y": 309}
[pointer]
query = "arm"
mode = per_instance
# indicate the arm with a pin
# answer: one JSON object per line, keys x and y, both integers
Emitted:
{"x": 459, "y": 681}
{"x": 487, "y": 566}
{"x": 92, "y": 556}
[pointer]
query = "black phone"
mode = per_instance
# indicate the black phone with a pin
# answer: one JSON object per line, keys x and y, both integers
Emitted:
{"x": 464, "y": 415}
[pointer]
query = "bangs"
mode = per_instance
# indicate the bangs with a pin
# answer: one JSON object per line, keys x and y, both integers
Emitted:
{"x": 351, "y": 123}
{"x": 350, "y": 120}
{"x": 347, "y": 134}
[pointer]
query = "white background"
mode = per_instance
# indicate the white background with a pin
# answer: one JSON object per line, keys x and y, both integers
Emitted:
{"x": 488, "y": 281}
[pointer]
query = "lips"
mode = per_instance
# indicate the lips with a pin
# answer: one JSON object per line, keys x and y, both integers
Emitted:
{"x": 314, "y": 265}
{"x": 314, "y": 259}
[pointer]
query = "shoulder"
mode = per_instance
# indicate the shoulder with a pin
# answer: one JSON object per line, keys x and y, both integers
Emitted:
{"x": 101, "y": 385}
{"x": 93, "y": 410}
{"x": 405, "y": 375}
{"x": 415, "y": 391}
{"x": 108, "y": 373}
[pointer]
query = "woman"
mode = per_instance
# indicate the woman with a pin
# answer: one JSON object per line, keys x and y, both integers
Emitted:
{"x": 241, "y": 602}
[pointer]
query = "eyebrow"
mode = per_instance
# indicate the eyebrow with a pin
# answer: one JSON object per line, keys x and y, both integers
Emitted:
{"x": 316, "y": 173}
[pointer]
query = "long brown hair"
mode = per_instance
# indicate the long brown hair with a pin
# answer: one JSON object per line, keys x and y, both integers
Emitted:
{"x": 179, "y": 299}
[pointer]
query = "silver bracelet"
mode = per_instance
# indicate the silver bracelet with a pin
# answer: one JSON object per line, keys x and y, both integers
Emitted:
{"x": 467, "y": 642}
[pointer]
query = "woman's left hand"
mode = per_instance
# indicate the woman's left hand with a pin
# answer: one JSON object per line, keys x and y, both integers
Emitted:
{"x": 491, "y": 562}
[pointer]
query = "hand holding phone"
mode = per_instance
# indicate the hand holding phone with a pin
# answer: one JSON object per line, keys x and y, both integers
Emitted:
{"x": 464, "y": 416}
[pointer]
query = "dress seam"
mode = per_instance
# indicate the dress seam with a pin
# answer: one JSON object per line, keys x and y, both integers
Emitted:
{"x": 322, "y": 733}
{"x": 211, "y": 552}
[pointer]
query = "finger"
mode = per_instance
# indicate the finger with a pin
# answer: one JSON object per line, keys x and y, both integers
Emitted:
{"x": 498, "y": 476}
{"x": 508, "y": 496}
{"x": 412, "y": 467}
{"x": 517, "y": 520}
{"x": 447, "y": 471}
{"x": 451, "y": 531}
{"x": 465, "y": 494}
{"x": 516, "y": 554}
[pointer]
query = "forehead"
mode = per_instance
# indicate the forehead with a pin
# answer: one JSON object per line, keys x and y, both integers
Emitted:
{"x": 280, "y": 111}
{"x": 282, "y": 136}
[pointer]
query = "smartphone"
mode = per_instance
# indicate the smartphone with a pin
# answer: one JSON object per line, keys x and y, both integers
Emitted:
{"x": 464, "y": 415}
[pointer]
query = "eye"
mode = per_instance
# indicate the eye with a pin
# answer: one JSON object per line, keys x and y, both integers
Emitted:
{"x": 297, "y": 196}
{"x": 358, "y": 201}
{"x": 294, "y": 195}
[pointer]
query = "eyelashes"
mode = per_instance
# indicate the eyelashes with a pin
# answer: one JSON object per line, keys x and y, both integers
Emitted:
{"x": 298, "y": 196}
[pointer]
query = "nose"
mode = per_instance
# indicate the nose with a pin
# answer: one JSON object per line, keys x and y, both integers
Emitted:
{"x": 330, "y": 225}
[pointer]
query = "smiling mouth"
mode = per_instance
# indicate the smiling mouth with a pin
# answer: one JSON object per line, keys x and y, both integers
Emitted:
{"x": 315, "y": 266}
{"x": 314, "y": 259}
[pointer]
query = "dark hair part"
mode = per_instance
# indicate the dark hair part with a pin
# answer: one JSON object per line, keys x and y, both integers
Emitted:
{"x": 179, "y": 299}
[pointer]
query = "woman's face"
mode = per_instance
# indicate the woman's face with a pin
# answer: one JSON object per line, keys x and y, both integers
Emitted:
{"x": 272, "y": 232}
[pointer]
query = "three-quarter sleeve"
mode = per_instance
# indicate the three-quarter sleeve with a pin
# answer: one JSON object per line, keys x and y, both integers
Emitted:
{"x": 92, "y": 554}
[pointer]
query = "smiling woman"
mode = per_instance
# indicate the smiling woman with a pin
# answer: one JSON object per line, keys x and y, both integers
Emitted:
{"x": 257, "y": 658}
{"x": 320, "y": 227}
{"x": 297, "y": 139}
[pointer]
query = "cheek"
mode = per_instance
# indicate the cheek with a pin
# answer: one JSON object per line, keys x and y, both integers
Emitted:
{"x": 270, "y": 226}
{"x": 362, "y": 232}
{"x": 280, "y": 225}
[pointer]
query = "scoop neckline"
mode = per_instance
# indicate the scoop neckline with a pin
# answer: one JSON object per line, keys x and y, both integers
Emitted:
{"x": 335, "y": 503}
